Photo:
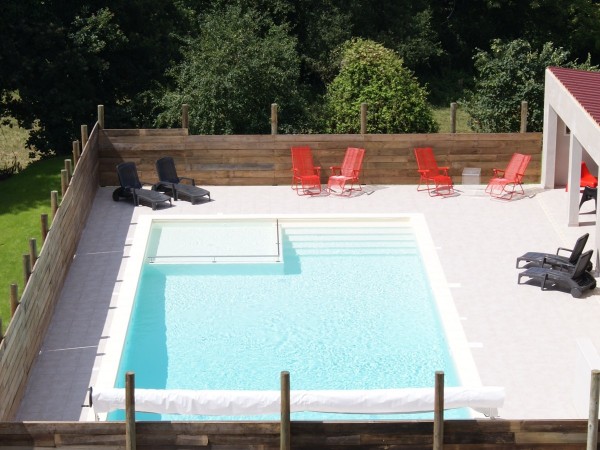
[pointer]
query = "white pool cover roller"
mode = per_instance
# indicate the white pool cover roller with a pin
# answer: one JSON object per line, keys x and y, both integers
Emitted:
{"x": 246, "y": 403}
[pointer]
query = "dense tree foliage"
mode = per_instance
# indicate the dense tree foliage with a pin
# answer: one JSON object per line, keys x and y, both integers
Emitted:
{"x": 58, "y": 60}
{"x": 510, "y": 73}
{"x": 373, "y": 74}
{"x": 239, "y": 64}
{"x": 463, "y": 26}
{"x": 64, "y": 58}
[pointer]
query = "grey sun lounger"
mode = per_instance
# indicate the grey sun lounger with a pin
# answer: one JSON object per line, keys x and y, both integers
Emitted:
{"x": 555, "y": 260}
{"x": 132, "y": 187}
{"x": 171, "y": 184}
{"x": 576, "y": 282}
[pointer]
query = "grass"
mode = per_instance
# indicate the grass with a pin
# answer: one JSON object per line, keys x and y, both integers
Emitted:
{"x": 442, "y": 117}
{"x": 26, "y": 196}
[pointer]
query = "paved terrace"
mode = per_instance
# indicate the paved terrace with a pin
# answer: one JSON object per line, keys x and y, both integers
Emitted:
{"x": 520, "y": 337}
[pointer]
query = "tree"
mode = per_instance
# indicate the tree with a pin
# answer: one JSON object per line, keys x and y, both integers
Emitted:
{"x": 61, "y": 59}
{"x": 463, "y": 26}
{"x": 240, "y": 63}
{"x": 375, "y": 75}
{"x": 401, "y": 25}
{"x": 510, "y": 73}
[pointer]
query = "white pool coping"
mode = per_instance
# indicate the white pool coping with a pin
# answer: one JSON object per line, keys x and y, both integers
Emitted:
{"x": 521, "y": 338}
{"x": 448, "y": 315}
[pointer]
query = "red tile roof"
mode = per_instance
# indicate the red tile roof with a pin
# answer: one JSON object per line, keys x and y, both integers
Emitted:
{"x": 584, "y": 86}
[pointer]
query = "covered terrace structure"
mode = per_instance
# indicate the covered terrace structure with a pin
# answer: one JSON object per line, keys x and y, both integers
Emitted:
{"x": 571, "y": 134}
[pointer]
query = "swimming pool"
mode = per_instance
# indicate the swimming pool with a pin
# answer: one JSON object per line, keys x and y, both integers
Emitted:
{"x": 317, "y": 297}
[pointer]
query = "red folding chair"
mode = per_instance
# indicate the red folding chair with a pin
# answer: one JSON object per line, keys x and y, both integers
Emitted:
{"x": 434, "y": 178}
{"x": 348, "y": 173}
{"x": 306, "y": 177}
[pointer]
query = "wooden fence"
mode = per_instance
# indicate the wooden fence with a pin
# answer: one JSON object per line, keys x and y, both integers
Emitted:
{"x": 458, "y": 435}
{"x": 265, "y": 159}
{"x": 25, "y": 333}
{"x": 246, "y": 160}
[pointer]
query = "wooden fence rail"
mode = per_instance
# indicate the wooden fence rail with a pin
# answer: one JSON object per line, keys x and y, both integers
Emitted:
{"x": 45, "y": 274}
{"x": 458, "y": 435}
{"x": 265, "y": 159}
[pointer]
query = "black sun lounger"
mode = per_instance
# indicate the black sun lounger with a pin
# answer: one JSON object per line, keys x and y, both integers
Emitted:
{"x": 576, "y": 282}
{"x": 131, "y": 187}
{"x": 556, "y": 261}
{"x": 171, "y": 184}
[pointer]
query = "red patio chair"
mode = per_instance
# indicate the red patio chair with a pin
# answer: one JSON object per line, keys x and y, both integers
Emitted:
{"x": 306, "y": 177}
{"x": 347, "y": 173}
{"x": 505, "y": 182}
{"x": 435, "y": 178}
{"x": 587, "y": 179}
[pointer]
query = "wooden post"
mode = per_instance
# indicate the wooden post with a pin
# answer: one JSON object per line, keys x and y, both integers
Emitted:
{"x": 453, "y": 106}
{"x": 130, "y": 411}
{"x": 363, "y": 118}
{"x": 69, "y": 169}
{"x": 438, "y": 412}
{"x": 273, "y": 118}
{"x": 44, "y": 225}
{"x": 64, "y": 182}
{"x": 84, "y": 136}
{"x": 14, "y": 299}
{"x": 592, "y": 434}
{"x": 32, "y": 252}
{"x": 76, "y": 152}
{"x": 185, "y": 116}
{"x": 26, "y": 269}
{"x": 523, "y": 117}
{"x": 1, "y": 333}
{"x": 284, "y": 435}
{"x": 54, "y": 203}
{"x": 101, "y": 116}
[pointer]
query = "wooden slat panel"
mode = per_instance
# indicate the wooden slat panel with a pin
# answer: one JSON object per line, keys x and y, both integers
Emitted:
{"x": 265, "y": 159}
{"x": 27, "y": 328}
{"x": 458, "y": 435}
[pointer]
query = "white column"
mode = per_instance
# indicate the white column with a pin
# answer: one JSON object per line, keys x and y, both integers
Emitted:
{"x": 597, "y": 245}
{"x": 575, "y": 151}
{"x": 549, "y": 147}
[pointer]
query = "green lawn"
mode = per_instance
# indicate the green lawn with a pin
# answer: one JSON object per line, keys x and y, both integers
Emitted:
{"x": 442, "y": 117}
{"x": 26, "y": 196}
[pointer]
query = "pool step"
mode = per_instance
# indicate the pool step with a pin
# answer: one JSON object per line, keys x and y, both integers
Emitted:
{"x": 351, "y": 241}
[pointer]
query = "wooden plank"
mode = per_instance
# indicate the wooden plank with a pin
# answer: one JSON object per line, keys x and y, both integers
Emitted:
{"x": 207, "y": 157}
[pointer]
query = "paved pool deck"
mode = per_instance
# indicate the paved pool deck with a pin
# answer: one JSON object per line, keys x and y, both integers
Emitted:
{"x": 520, "y": 337}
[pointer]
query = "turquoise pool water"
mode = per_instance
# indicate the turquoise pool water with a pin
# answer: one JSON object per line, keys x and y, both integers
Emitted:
{"x": 347, "y": 308}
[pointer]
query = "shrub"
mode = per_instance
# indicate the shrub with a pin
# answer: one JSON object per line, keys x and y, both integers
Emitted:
{"x": 373, "y": 74}
{"x": 511, "y": 73}
{"x": 9, "y": 167}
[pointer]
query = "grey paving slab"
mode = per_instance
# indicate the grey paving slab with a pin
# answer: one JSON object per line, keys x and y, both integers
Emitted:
{"x": 520, "y": 337}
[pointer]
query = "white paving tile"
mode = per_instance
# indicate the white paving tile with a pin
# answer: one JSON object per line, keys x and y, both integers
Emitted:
{"x": 521, "y": 338}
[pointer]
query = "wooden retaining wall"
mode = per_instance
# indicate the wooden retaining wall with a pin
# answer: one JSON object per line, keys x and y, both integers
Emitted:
{"x": 265, "y": 159}
{"x": 458, "y": 435}
{"x": 25, "y": 333}
{"x": 245, "y": 160}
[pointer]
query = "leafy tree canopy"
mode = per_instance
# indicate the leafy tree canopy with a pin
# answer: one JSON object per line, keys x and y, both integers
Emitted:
{"x": 240, "y": 63}
{"x": 64, "y": 58}
{"x": 510, "y": 73}
{"x": 373, "y": 74}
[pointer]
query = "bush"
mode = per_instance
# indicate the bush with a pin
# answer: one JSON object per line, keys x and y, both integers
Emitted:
{"x": 9, "y": 167}
{"x": 373, "y": 74}
{"x": 511, "y": 73}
